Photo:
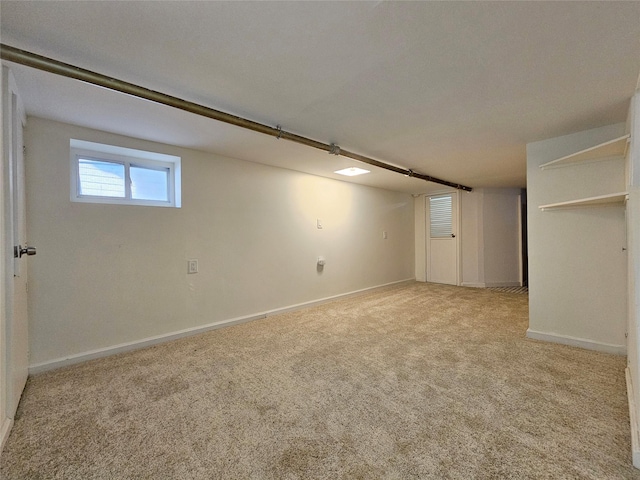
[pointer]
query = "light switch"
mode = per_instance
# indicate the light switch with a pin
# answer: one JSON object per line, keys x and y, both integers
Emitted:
{"x": 192, "y": 266}
{"x": 319, "y": 224}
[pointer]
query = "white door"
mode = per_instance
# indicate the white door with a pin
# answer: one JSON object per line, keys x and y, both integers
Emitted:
{"x": 16, "y": 360}
{"x": 442, "y": 241}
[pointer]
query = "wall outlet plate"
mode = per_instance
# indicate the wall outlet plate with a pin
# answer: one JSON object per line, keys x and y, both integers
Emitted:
{"x": 192, "y": 266}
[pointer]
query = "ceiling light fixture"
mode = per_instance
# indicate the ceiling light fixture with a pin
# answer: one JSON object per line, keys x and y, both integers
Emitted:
{"x": 352, "y": 171}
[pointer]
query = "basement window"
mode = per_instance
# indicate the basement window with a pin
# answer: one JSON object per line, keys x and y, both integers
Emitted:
{"x": 109, "y": 174}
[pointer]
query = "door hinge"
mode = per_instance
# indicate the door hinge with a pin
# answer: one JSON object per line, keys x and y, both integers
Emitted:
{"x": 24, "y": 150}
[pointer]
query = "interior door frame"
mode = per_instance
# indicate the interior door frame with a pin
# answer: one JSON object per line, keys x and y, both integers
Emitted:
{"x": 13, "y": 228}
{"x": 5, "y": 421}
{"x": 457, "y": 230}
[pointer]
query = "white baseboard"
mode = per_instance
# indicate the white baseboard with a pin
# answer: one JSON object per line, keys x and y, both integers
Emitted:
{"x": 149, "y": 341}
{"x": 577, "y": 342}
{"x": 491, "y": 284}
{"x": 633, "y": 420}
{"x": 503, "y": 284}
{"x": 7, "y": 423}
{"x": 135, "y": 345}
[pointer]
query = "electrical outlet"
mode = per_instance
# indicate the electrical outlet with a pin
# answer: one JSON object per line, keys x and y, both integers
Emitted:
{"x": 192, "y": 266}
{"x": 384, "y": 235}
{"x": 319, "y": 224}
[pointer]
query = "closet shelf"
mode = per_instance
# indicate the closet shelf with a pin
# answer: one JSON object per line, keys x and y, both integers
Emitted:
{"x": 610, "y": 199}
{"x": 616, "y": 148}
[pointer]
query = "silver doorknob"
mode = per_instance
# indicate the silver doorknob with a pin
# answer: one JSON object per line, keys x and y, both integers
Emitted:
{"x": 19, "y": 251}
{"x": 453, "y": 235}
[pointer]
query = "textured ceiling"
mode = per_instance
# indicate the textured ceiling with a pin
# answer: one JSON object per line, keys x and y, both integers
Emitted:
{"x": 448, "y": 89}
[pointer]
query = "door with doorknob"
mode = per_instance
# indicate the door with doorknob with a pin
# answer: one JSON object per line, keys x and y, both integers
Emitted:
{"x": 442, "y": 241}
{"x": 15, "y": 358}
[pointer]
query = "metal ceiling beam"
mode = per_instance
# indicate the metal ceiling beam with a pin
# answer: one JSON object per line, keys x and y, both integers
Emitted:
{"x": 29, "y": 59}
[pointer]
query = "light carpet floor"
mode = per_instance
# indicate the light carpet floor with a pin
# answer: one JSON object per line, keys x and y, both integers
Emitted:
{"x": 416, "y": 381}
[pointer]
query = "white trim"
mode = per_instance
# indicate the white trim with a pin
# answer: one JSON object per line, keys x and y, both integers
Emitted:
{"x": 491, "y": 284}
{"x": 13, "y": 87}
{"x": 149, "y": 341}
{"x": 633, "y": 421}
{"x": 5, "y": 428}
{"x": 577, "y": 342}
{"x": 458, "y": 239}
{"x": 342, "y": 296}
{"x": 136, "y": 345}
{"x": 502, "y": 284}
{"x": 426, "y": 218}
{"x": 520, "y": 259}
{"x": 7, "y": 424}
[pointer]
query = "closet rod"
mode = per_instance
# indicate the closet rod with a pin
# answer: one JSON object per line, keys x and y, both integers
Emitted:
{"x": 29, "y": 59}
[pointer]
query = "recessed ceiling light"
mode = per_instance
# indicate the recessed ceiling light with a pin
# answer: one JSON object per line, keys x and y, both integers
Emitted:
{"x": 352, "y": 171}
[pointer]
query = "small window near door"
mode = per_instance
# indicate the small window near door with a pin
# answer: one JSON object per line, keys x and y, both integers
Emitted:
{"x": 440, "y": 215}
{"x": 117, "y": 175}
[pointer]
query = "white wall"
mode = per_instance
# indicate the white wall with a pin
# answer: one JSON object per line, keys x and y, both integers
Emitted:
{"x": 472, "y": 241}
{"x": 107, "y": 275}
{"x": 501, "y": 237}
{"x": 577, "y": 266}
{"x": 490, "y": 237}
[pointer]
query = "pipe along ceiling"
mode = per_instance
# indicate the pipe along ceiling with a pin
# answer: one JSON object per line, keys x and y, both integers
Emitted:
{"x": 29, "y": 59}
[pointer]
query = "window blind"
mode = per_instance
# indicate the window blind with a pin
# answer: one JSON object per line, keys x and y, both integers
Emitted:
{"x": 440, "y": 216}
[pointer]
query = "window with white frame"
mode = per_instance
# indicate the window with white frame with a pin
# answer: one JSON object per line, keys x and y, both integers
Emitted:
{"x": 109, "y": 174}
